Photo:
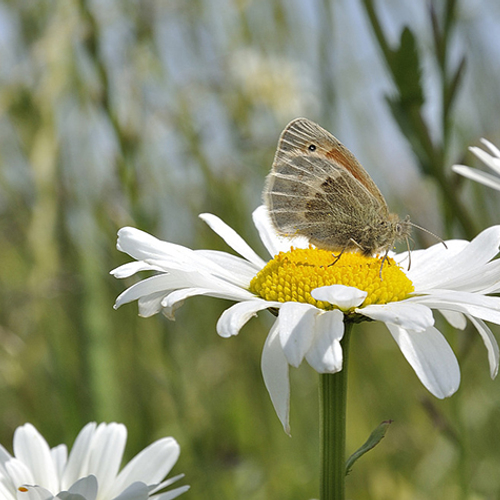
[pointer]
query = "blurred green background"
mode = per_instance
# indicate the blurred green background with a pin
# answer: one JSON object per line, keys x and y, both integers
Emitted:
{"x": 147, "y": 113}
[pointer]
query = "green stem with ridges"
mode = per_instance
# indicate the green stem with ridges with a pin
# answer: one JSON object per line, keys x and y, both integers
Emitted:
{"x": 333, "y": 407}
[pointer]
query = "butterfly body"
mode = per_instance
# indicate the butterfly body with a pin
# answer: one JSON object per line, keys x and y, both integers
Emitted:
{"x": 318, "y": 189}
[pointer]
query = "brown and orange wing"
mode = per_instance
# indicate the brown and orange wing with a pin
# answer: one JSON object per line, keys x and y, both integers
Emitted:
{"x": 318, "y": 189}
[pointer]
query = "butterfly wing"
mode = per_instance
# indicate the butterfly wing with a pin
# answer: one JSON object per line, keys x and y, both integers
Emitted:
{"x": 318, "y": 189}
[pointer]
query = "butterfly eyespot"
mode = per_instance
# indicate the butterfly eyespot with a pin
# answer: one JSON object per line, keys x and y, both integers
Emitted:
{"x": 312, "y": 147}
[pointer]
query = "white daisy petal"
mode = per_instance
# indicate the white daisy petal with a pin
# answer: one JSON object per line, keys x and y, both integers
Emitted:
{"x": 131, "y": 268}
{"x": 86, "y": 487}
{"x": 274, "y": 242}
{"x": 151, "y": 465}
{"x": 486, "y": 158}
{"x": 232, "y": 238}
{"x": 170, "y": 302}
{"x": 163, "y": 256}
{"x": 153, "y": 285}
{"x": 473, "y": 256}
{"x": 180, "y": 295}
{"x": 424, "y": 263}
{"x": 237, "y": 266}
{"x": 477, "y": 305}
{"x": 129, "y": 239}
{"x": 19, "y": 473}
{"x": 6, "y": 493}
{"x": 59, "y": 457}
{"x": 145, "y": 247}
{"x": 490, "y": 343}
{"x": 492, "y": 161}
{"x": 325, "y": 355}
{"x": 78, "y": 458}
{"x": 5, "y": 456}
{"x": 296, "y": 330}
{"x": 233, "y": 319}
{"x": 274, "y": 368}
{"x": 478, "y": 175}
{"x": 484, "y": 282}
{"x": 425, "y": 257}
{"x": 479, "y": 251}
{"x": 106, "y": 451}
{"x": 32, "y": 450}
{"x": 180, "y": 280}
{"x": 431, "y": 357}
{"x": 169, "y": 312}
{"x": 149, "y": 305}
{"x": 170, "y": 495}
{"x": 416, "y": 317}
{"x": 266, "y": 231}
{"x": 136, "y": 491}
{"x": 344, "y": 297}
{"x": 29, "y": 492}
{"x": 455, "y": 319}
{"x": 493, "y": 149}
{"x": 157, "y": 487}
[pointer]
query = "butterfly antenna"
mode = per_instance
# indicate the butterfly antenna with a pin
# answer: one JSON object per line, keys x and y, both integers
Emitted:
{"x": 409, "y": 251}
{"x": 428, "y": 232}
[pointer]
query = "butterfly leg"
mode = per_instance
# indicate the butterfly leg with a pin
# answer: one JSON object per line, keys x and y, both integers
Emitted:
{"x": 336, "y": 257}
{"x": 382, "y": 264}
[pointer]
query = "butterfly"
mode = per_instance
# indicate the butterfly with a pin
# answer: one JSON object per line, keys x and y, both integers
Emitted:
{"x": 318, "y": 189}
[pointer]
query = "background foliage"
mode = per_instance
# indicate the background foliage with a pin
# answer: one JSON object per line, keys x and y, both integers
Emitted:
{"x": 146, "y": 113}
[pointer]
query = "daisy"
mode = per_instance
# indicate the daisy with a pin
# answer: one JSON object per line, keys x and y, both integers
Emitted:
{"x": 491, "y": 160}
{"x": 313, "y": 300}
{"x": 37, "y": 472}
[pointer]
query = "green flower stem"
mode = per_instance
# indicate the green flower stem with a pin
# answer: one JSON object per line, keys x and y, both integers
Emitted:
{"x": 332, "y": 409}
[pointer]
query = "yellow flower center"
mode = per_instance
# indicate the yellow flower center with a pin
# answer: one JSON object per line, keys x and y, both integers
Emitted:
{"x": 291, "y": 276}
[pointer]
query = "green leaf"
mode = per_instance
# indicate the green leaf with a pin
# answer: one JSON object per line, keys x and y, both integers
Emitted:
{"x": 406, "y": 69}
{"x": 375, "y": 437}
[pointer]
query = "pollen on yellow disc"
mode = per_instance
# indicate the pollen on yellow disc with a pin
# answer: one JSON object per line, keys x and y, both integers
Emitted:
{"x": 291, "y": 276}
